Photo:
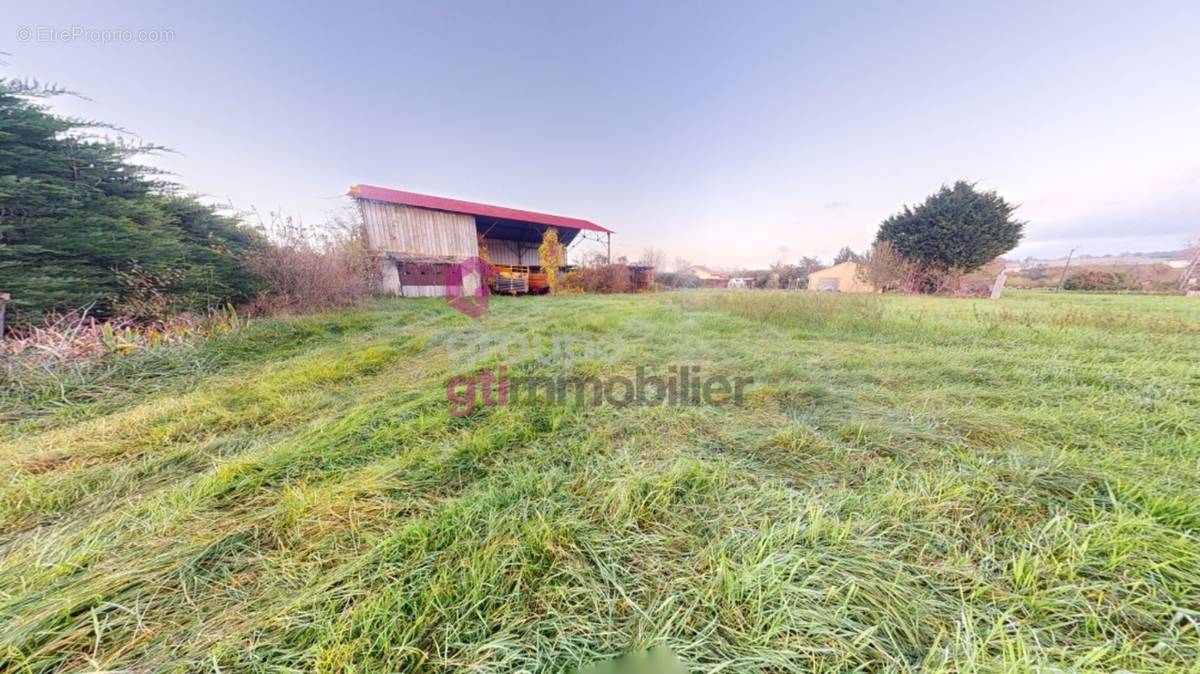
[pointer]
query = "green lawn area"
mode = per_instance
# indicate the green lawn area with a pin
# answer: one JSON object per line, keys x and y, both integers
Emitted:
{"x": 910, "y": 484}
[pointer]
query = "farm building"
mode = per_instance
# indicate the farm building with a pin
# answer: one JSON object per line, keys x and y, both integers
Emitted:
{"x": 839, "y": 278}
{"x": 418, "y": 238}
{"x": 709, "y": 278}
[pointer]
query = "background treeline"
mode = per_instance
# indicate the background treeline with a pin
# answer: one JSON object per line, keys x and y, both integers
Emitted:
{"x": 950, "y": 244}
{"x": 1155, "y": 278}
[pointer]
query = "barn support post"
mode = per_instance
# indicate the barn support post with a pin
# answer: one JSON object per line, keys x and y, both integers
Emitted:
{"x": 608, "y": 239}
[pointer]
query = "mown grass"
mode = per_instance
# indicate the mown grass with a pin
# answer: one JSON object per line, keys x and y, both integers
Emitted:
{"x": 912, "y": 484}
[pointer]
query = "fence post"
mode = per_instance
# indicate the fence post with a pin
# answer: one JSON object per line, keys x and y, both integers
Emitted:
{"x": 4, "y": 297}
{"x": 998, "y": 284}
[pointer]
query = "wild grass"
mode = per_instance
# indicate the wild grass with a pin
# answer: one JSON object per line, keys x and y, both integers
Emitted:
{"x": 914, "y": 484}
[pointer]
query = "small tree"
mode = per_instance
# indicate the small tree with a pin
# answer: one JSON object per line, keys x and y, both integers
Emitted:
{"x": 805, "y": 266}
{"x": 883, "y": 267}
{"x": 808, "y": 265}
{"x": 790, "y": 276}
{"x": 653, "y": 257}
{"x": 846, "y": 255}
{"x": 550, "y": 257}
{"x": 957, "y": 228}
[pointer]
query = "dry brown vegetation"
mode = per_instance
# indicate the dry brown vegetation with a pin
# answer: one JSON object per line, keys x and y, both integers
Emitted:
{"x": 1145, "y": 277}
{"x": 597, "y": 275}
{"x": 74, "y": 336}
{"x": 304, "y": 270}
{"x": 309, "y": 269}
{"x": 886, "y": 269}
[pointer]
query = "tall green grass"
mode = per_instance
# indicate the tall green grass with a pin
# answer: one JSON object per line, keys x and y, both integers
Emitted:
{"x": 913, "y": 484}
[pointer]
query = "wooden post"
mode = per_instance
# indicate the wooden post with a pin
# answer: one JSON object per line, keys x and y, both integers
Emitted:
{"x": 998, "y": 285}
{"x": 4, "y": 298}
{"x": 608, "y": 238}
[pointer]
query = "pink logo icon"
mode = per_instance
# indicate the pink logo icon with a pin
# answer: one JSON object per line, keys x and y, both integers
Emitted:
{"x": 467, "y": 286}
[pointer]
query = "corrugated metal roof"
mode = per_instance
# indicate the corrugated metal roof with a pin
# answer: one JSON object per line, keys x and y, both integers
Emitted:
{"x": 469, "y": 208}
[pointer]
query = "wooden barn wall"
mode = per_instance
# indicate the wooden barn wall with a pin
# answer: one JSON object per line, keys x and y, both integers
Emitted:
{"x": 404, "y": 230}
{"x": 501, "y": 251}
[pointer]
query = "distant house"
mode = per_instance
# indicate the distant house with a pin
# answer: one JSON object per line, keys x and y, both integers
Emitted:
{"x": 841, "y": 278}
{"x": 709, "y": 278}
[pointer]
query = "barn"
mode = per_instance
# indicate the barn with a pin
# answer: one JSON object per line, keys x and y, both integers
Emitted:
{"x": 419, "y": 237}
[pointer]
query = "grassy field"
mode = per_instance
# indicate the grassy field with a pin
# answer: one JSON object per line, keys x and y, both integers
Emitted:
{"x": 910, "y": 484}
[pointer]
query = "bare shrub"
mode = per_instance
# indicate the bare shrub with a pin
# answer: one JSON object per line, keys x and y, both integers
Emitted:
{"x": 1095, "y": 279}
{"x": 312, "y": 268}
{"x": 653, "y": 257}
{"x": 884, "y": 267}
{"x": 597, "y": 276}
{"x": 933, "y": 281}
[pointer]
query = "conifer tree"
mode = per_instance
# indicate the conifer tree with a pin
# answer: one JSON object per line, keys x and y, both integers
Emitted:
{"x": 82, "y": 224}
{"x": 957, "y": 228}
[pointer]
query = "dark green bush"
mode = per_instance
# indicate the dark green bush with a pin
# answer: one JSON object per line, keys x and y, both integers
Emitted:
{"x": 83, "y": 225}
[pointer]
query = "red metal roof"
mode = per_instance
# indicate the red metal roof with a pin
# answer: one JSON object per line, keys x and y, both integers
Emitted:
{"x": 469, "y": 208}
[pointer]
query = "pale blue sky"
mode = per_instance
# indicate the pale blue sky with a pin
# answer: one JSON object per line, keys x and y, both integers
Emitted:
{"x": 726, "y": 133}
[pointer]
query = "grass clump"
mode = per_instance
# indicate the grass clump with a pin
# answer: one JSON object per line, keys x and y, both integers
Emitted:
{"x": 913, "y": 484}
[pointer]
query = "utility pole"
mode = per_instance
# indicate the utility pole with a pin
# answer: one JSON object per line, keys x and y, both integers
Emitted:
{"x": 1062, "y": 279}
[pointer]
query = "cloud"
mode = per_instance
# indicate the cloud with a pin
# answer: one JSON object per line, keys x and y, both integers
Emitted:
{"x": 1169, "y": 222}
